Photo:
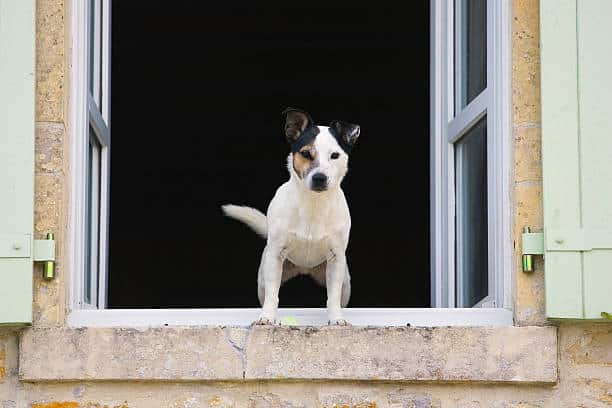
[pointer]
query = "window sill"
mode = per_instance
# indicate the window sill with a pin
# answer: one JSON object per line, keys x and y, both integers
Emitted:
{"x": 304, "y": 317}
{"x": 412, "y": 354}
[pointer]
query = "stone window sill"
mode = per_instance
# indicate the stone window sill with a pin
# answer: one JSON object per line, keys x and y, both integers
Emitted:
{"x": 412, "y": 354}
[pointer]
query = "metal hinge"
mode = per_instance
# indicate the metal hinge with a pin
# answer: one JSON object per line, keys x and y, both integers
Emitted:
{"x": 22, "y": 246}
{"x": 563, "y": 240}
{"x": 533, "y": 244}
{"x": 44, "y": 251}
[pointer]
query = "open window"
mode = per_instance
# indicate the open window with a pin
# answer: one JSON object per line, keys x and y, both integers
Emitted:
{"x": 470, "y": 146}
{"x": 91, "y": 152}
{"x": 196, "y": 97}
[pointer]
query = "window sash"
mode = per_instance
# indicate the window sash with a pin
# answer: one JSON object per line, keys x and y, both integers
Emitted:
{"x": 91, "y": 110}
{"x": 447, "y": 128}
{"x": 461, "y": 121}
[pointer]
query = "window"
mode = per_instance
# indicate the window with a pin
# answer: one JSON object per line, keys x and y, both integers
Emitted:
{"x": 91, "y": 110}
{"x": 470, "y": 141}
{"x": 210, "y": 140}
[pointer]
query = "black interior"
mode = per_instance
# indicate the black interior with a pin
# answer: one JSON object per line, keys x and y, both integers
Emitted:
{"x": 197, "y": 93}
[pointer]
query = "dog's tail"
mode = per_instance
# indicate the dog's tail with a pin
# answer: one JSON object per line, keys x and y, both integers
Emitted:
{"x": 250, "y": 216}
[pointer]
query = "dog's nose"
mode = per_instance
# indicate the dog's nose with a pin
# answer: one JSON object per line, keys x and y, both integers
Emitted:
{"x": 319, "y": 181}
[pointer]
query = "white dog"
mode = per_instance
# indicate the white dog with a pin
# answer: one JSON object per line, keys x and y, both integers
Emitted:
{"x": 308, "y": 222}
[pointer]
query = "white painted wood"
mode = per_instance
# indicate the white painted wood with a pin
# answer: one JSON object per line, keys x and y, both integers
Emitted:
{"x": 437, "y": 119}
{"x": 90, "y": 110}
{"x": 442, "y": 160}
{"x": 494, "y": 101}
{"x": 492, "y": 148}
{"x": 97, "y": 121}
{"x": 449, "y": 159}
{"x": 106, "y": 151}
{"x": 468, "y": 117}
{"x": 79, "y": 128}
{"x": 304, "y": 317}
{"x": 503, "y": 234}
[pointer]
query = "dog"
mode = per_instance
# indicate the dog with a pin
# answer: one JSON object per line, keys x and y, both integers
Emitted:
{"x": 308, "y": 222}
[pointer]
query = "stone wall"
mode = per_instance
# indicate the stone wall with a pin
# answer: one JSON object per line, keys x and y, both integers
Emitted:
{"x": 584, "y": 361}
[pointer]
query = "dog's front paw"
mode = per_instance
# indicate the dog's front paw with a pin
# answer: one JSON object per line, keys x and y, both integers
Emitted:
{"x": 264, "y": 321}
{"x": 338, "y": 322}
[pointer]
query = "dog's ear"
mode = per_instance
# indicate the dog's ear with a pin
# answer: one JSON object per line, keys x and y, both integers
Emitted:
{"x": 296, "y": 121}
{"x": 346, "y": 133}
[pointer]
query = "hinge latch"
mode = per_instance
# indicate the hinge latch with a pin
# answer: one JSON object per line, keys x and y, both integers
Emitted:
{"x": 533, "y": 244}
{"x": 44, "y": 251}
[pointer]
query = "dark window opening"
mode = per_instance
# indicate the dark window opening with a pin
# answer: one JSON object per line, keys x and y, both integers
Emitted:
{"x": 197, "y": 94}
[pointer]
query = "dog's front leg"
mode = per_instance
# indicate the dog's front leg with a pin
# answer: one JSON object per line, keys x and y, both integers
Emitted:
{"x": 334, "y": 276}
{"x": 272, "y": 271}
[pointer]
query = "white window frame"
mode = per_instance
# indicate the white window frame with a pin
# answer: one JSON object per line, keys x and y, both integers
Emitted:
{"x": 447, "y": 128}
{"x": 90, "y": 109}
{"x": 497, "y": 100}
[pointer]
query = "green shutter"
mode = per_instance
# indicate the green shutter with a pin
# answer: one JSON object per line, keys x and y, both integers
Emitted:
{"x": 576, "y": 74}
{"x": 17, "y": 68}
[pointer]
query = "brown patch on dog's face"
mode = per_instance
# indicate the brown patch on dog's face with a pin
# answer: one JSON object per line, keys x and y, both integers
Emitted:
{"x": 305, "y": 160}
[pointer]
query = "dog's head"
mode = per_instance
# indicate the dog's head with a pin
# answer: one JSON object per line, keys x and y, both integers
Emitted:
{"x": 319, "y": 154}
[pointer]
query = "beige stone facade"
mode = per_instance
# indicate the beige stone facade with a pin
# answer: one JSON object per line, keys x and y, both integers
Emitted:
{"x": 535, "y": 364}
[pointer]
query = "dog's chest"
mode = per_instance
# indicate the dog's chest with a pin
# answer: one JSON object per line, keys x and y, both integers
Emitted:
{"x": 309, "y": 243}
{"x": 308, "y": 252}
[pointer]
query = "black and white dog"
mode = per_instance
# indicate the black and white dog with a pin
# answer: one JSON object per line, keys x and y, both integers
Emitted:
{"x": 308, "y": 222}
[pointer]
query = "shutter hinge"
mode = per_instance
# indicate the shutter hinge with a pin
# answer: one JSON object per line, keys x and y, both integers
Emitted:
{"x": 44, "y": 251}
{"x": 533, "y": 244}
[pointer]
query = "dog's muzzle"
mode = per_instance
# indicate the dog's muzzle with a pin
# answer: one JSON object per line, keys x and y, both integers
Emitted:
{"x": 318, "y": 182}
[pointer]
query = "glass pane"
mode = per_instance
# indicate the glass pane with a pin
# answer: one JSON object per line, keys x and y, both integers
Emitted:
{"x": 470, "y": 50}
{"x": 471, "y": 218}
{"x": 90, "y": 46}
{"x": 92, "y": 219}
{"x": 95, "y": 49}
{"x": 102, "y": 44}
{"x": 88, "y": 218}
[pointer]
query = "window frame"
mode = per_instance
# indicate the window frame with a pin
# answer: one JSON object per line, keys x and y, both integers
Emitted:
{"x": 442, "y": 193}
{"x": 89, "y": 110}
{"x": 447, "y": 129}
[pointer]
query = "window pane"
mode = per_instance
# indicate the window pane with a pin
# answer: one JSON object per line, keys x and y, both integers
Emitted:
{"x": 88, "y": 218}
{"x": 92, "y": 219}
{"x": 471, "y": 50}
{"x": 95, "y": 49}
{"x": 90, "y": 46}
{"x": 471, "y": 216}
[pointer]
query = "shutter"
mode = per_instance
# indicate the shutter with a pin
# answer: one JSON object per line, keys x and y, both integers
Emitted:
{"x": 576, "y": 75}
{"x": 17, "y": 59}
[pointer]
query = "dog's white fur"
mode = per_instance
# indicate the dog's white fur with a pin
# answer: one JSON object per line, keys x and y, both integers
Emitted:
{"x": 306, "y": 228}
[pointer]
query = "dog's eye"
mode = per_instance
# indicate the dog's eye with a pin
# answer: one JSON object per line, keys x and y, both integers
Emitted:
{"x": 335, "y": 155}
{"x": 306, "y": 154}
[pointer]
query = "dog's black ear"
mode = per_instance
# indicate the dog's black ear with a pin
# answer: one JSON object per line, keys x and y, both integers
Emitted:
{"x": 296, "y": 121}
{"x": 346, "y": 133}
